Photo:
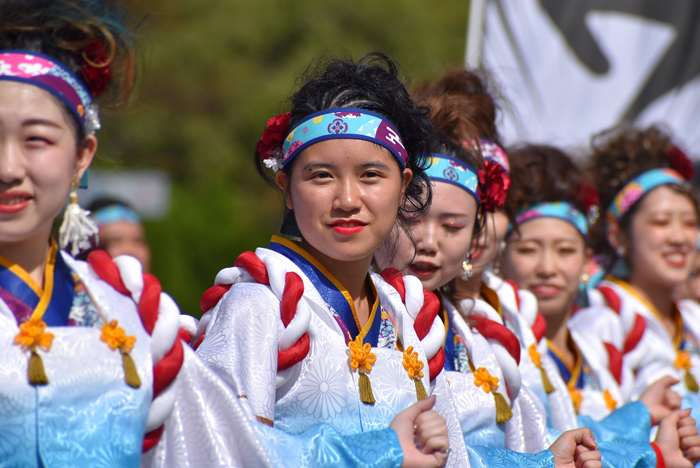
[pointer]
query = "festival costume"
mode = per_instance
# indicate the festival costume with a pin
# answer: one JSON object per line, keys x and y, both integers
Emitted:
{"x": 95, "y": 408}
{"x": 497, "y": 417}
{"x": 622, "y": 436}
{"x": 479, "y": 367}
{"x": 650, "y": 352}
{"x": 247, "y": 336}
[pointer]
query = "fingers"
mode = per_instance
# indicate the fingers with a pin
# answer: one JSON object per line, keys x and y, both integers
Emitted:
{"x": 672, "y": 400}
{"x": 430, "y": 431}
{"x": 666, "y": 381}
{"x": 416, "y": 409}
{"x": 686, "y": 420}
{"x": 591, "y": 459}
{"x": 582, "y": 436}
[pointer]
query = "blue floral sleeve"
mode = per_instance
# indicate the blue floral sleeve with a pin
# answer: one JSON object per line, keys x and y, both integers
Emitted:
{"x": 323, "y": 446}
{"x": 623, "y": 436}
{"x": 484, "y": 457}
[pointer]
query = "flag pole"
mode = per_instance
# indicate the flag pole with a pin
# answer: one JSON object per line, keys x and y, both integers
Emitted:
{"x": 475, "y": 33}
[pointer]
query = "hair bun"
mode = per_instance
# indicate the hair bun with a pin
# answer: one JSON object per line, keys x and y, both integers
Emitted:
{"x": 86, "y": 36}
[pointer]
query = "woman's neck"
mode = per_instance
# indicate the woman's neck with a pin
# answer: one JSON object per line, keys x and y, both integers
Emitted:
{"x": 469, "y": 288}
{"x": 660, "y": 297}
{"x": 558, "y": 333}
{"x": 30, "y": 254}
{"x": 352, "y": 275}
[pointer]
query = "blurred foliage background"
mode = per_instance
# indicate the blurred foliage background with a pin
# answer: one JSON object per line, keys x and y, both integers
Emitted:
{"x": 211, "y": 73}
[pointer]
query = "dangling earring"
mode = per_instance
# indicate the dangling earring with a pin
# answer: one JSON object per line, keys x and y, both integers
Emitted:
{"x": 77, "y": 227}
{"x": 582, "y": 299}
{"x": 467, "y": 268}
{"x": 620, "y": 268}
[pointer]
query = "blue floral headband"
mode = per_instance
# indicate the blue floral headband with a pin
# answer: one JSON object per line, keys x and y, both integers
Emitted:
{"x": 560, "y": 210}
{"x": 446, "y": 169}
{"x": 344, "y": 123}
{"x": 635, "y": 189}
{"x": 114, "y": 214}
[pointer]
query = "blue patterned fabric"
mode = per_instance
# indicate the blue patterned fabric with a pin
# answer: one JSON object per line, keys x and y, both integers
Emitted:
{"x": 623, "y": 437}
{"x": 323, "y": 446}
{"x": 560, "y": 210}
{"x": 449, "y": 170}
{"x": 483, "y": 457}
{"x": 635, "y": 189}
{"x": 344, "y": 123}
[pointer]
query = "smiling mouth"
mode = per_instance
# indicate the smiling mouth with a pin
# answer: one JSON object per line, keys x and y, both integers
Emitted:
{"x": 676, "y": 259}
{"x": 13, "y": 203}
{"x": 348, "y": 228}
{"x": 545, "y": 290}
{"x": 423, "y": 269}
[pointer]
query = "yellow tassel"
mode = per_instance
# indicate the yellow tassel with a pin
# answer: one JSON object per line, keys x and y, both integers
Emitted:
{"x": 130, "y": 374}
{"x": 420, "y": 389}
{"x": 37, "y": 376}
{"x": 366, "y": 395}
{"x": 503, "y": 412}
{"x": 690, "y": 382}
{"x": 548, "y": 387}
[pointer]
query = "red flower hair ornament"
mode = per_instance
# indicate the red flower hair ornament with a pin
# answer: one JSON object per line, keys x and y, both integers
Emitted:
{"x": 493, "y": 186}
{"x": 591, "y": 201}
{"x": 95, "y": 68}
{"x": 680, "y": 162}
{"x": 270, "y": 144}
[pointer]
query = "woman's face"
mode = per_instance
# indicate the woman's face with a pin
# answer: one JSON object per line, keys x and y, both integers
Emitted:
{"x": 345, "y": 195}
{"x": 548, "y": 259}
{"x": 39, "y": 158}
{"x": 662, "y": 244}
{"x": 442, "y": 239}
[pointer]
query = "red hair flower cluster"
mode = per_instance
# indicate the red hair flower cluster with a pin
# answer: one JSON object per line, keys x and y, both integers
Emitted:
{"x": 493, "y": 186}
{"x": 270, "y": 144}
{"x": 680, "y": 162}
{"x": 588, "y": 195}
{"x": 95, "y": 67}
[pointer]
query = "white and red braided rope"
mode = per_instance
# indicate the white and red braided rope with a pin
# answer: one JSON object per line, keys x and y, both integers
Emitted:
{"x": 161, "y": 319}
{"x": 296, "y": 313}
{"x": 423, "y": 306}
{"x": 294, "y": 342}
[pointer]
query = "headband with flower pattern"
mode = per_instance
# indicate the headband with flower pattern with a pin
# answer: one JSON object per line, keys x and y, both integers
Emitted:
{"x": 278, "y": 146}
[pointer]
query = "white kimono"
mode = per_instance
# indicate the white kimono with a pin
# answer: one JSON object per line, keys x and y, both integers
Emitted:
{"x": 88, "y": 416}
{"x": 651, "y": 353}
{"x": 244, "y": 333}
{"x": 476, "y": 409}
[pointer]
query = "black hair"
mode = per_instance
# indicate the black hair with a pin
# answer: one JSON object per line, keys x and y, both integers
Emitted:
{"x": 373, "y": 83}
{"x": 69, "y": 31}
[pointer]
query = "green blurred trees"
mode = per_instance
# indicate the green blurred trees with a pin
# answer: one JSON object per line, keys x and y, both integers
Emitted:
{"x": 212, "y": 72}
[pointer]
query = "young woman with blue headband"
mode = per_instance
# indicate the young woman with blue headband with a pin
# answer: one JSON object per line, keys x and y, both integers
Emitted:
{"x": 92, "y": 370}
{"x": 648, "y": 233}
{"x": 548, "y": 255}
{"x": 327, "y": 357}
{"x": 453, "y": 108}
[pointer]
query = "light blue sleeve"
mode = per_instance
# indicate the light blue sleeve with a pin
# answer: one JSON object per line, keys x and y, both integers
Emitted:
{"x": 484, "y": 457}
{"x": 623, "y": 436}
{"x": 323, "y": 446}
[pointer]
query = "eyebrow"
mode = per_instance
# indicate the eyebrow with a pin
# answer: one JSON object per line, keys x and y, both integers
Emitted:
{"x": 315, "y": 165}
{"x": 48, "y": 123}
{"x": 374, "y": 164}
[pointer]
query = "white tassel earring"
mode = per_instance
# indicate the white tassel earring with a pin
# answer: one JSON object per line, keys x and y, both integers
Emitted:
{"x": 467, "y": 268}
{"x": 77, "y": 227}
